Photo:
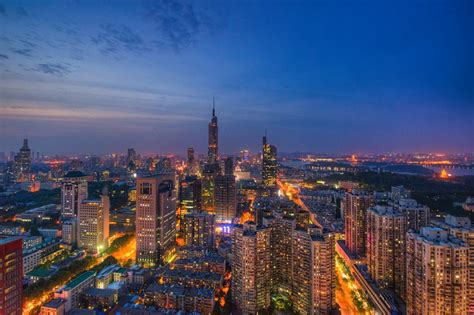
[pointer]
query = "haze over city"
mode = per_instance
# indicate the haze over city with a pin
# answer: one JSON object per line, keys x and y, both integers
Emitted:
{"x": 321, "y": 76}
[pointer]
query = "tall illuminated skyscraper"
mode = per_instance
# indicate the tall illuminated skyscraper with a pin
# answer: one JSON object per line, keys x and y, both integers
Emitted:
{"x": 313, "y": 271}
{"x": 189, "y": 194}
{"x": 437, "y": 273}
{"x": 73, "y": 191}
{"x": 226, "y": 194}
{"x": 386, "y": 230}
{"x": 213, "y": 137}
{"x": 269, "y": 164}
{"x": 93, "y": 224}
{"x": 355, "y": 205}
{"x": 155, "y": 218}
{"x": 251, "y": 273}
{"x": 23, "y": 163}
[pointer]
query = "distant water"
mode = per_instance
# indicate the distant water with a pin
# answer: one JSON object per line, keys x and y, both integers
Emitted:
{"x": 295, "y": 164}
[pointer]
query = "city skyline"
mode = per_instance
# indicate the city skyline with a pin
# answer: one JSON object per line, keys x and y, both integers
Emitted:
{"x": 320, "y": 77}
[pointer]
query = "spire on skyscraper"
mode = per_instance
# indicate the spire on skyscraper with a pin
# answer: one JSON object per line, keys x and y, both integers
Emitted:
{"x": 213, "y": 106}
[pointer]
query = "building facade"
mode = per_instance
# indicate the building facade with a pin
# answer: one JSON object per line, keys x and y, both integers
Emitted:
{"x": 198, "y": 229}
{"x": 93, "y": 224}
{"x": 73, "y": 191}
{"x": 11, "y": 270}
{"x": 386, "y": 230}
{"x": 437, "y": 273}
{"x": 155, "y": 218}
{"x": 355, "y": 205}
{"x": 269, "y": 164}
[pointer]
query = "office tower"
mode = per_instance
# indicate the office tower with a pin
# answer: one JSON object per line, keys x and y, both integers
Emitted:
{"x": 155, "y": 218}
{"x": 313, "y": 271}
{"x": 23, "y": 163}
{"x": 131, "y": 160}
{"x": 69, "y": 231}
{"x": 399, "y": 192}
{"x": 73, "y": 191}
{"x": 460, "y": 227}
{"x": 225, "y": 198}
{"x": 269, "y": 164}
{"x": 198, "y": 229}
{"x": 229, "y": 166}
{"x": 437, "y": 273}
{"x": 190, "y": 156}
{"x": 386, "y": 230}
{"x": 417, "y": 216}
{"x": 355, "y": 206}
{"x": 208, "y": 182}
{"x": 251, "y": 273}
{"x": 11, "y": 270}
{"x": 93, "y": 227}
{"x": 190, "y": 194}
{"x": 213, "y": 137}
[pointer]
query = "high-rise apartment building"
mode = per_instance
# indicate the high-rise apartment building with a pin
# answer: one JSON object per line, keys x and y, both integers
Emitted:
{"x": 213, "y": 146}
{"x": 460, "y": 227}
{"x": 251, "y": 273}
{"x": 23, "y": 163}
{"x": 73, "y": 191}
{"x": 417, "y": 216}
{"x": 198, "y": 229}
{"x": 386, "y": 231}
{"x": 11, "y": 271}
{"x": 355, "y": 205}
{"x": 313, "y": 271}
{"x": 225, "y": 198}
{"x": 93, "y": 224}
{"x": 269, "y": 164}
{"x": 437, "y": 273}
{"x": 155, "y": 218}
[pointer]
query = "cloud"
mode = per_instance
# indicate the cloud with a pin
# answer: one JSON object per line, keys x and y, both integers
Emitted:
{"x": 116, "y": 37}
{"x": 3, "y": 11}
{"x": 177, "y": 22}
{"x": 24, "y": 51}
{"x": 3, "y": 57}
{"x": 55, "y": 69}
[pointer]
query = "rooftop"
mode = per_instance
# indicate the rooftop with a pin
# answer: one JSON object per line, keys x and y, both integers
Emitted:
{"x": 79, "y": 279}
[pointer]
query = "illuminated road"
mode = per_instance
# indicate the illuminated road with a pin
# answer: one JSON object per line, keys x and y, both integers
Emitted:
{"x": 344, "y": 293}
{"x": 347, "y": 284}
{"x": 122, "y": 255}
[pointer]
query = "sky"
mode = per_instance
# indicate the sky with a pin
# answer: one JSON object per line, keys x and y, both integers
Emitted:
{"x": 320, "y": 76}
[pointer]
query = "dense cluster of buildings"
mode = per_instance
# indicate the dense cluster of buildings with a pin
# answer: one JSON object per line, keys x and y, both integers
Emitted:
{"x": 229, "y": 233}
{"x": 425, "y": 264}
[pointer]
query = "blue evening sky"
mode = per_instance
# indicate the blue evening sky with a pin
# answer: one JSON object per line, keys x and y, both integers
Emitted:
{"x": 321, "y": 76}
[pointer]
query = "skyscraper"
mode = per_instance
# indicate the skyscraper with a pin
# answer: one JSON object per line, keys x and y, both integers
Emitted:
{"x": 313, "y": 271}
{"x": 93, "y": 227}
{"x": 198, "y": 229}
{"x": 190, "y": 156}
{"x": 213, "y": 137}
{"x": 269, "y": 164}
{"x": 73, "y": 191}
{"x": 386, "y": 230}
{"x": 226, "y": 194}
{"x": 251, "y": 273}
{"x": 437, "y": 273}
{"x": 11, "y": 269}
{"x": 460, "y": 227}
{"x": 23, "y": 163}
{"x": 417, "y": 216}
{"x": 190, "y": 194}
{"x": 355, "y": 205}
{"x": 155, "y": 218}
